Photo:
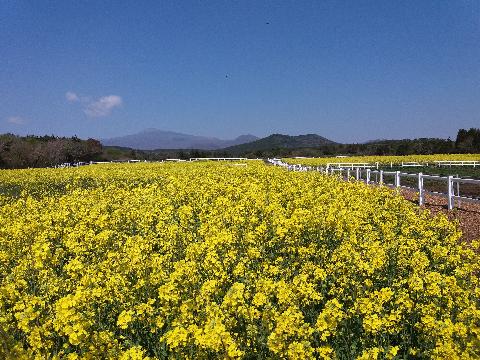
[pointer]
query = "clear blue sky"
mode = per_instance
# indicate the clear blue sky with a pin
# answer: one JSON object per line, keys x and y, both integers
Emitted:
{"x": 348, "y": 70}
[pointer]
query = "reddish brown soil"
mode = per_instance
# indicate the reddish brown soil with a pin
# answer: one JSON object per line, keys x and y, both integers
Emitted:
{"x": 467, "y": 214}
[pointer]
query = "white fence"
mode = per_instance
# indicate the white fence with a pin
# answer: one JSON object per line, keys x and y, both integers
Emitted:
{"x": 219, "y": 159}
{"x": 377, "y": 164}
{"x": 77, "y": 164}
{"x": 351, "y": 165}
{"x": 451, "y": 184}
{"x": 82, "y": 163}
{"x": 369, "y": 176}
{"x": 458, "y": 163}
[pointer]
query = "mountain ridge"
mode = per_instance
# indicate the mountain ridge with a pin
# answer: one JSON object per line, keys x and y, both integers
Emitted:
{"x": 281, "y": 141}
{"x": 154, "y": 139}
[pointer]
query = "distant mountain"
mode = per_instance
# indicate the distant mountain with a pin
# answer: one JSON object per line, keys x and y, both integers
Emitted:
{"x": 277, "y": 141}
{"x": 153, "y": 139}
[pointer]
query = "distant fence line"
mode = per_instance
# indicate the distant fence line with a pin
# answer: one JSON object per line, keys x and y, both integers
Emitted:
{"x": 82, "y": 163}
{"x": 378, "y": 164}
{"x": 369, "y": 176}
{"x": 457, "y": 163}
{"x": 442, "y": 163}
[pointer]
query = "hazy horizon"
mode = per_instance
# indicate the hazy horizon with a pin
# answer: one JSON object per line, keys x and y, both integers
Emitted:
{"x": 452, "y": 137}
{"x": 348, "y": 71}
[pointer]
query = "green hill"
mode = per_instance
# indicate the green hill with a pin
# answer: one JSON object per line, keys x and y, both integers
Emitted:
{"x": 279, "y": 141}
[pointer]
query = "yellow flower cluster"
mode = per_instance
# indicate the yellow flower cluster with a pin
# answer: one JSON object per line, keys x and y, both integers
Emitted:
{"x": 385, "y": 160}
{"x": 210, "y": 260}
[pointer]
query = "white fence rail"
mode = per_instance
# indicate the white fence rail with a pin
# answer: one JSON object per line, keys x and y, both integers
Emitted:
{"x": 218, "y": 159}
{"x": 377, "y": 165}
{"x": 451, "y": 184}
{"x": 351, "y": 165}
{"x": 83, "y": 163}
{"x": 369, "y": 176}
{"x": 77, "y": 164}
{"x": 457, "y": 163}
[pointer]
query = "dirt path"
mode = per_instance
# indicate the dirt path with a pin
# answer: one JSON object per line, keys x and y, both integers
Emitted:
{"x": 467, "y": 214}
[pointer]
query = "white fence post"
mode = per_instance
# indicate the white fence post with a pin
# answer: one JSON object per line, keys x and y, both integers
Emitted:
{"x": 397, "y": 178}
{"x": 420, "y": 190}
{"x": 450, "y": 193}
{"x": 357, "y": 176}
{"x": 368, "y": 176}
{"x": 458, "y": 187}
{"x": 348, "y": 174}
{"x": 381, "y": 177}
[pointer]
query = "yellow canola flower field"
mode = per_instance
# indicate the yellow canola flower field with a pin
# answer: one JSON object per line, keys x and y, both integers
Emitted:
{"x": 385, "y": 160}
{"x": 211, "y": 260}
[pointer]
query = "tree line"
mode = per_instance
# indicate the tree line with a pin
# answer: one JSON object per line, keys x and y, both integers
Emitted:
{"x": 467, "y": 141}
{"x": 46, "y": 151}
